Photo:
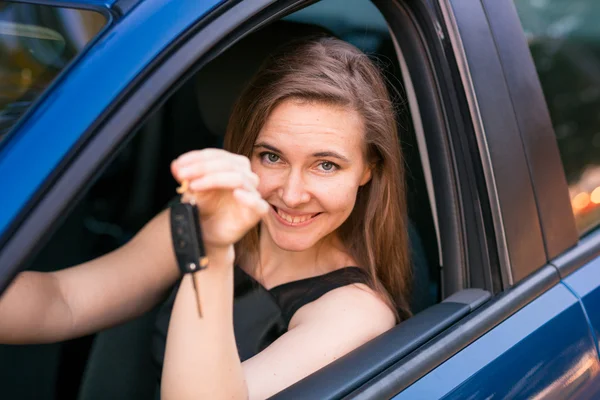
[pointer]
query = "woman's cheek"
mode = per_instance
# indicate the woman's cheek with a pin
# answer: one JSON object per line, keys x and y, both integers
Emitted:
{"x": 268, "y": 181}
{"x": 338, "y": 195}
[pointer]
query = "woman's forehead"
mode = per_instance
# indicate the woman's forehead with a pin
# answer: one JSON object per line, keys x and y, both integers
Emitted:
{"x": 313, "y": 124}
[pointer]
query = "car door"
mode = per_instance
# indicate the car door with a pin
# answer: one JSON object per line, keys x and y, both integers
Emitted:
{"x": 491, "y": 236}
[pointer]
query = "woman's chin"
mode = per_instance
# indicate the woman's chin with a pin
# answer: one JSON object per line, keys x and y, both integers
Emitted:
{"x": 292, "y": 244}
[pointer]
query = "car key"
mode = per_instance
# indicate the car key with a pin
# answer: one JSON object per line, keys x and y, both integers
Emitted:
{"x": 187, "y": 242}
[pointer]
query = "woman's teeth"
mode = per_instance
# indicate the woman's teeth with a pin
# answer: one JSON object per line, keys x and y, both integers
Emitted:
{"x": 294, "y": 219}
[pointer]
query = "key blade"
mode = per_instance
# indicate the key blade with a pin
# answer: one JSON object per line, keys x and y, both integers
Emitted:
{"x": 197, "y": 292}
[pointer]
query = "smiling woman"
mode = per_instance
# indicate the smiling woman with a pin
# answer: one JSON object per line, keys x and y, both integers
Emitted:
{"x": 320, "y": 112}
{"x": 318, "y": 127}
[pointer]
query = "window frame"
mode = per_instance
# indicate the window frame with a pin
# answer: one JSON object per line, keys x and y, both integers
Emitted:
{"x": 431, "y": 130}
{"x": 469, "y": 258}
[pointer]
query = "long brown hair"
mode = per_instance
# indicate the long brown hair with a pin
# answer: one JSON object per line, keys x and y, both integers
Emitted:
{"x": 331, "y": 71}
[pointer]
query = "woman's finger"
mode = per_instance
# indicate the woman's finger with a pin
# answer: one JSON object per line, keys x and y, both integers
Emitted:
{"x": 254, "y": 179}
{"x": 251, "y": 200}
{"x": 199, "y": 169}
{"x": 195, "y": 155}
{"x": 224, "y": 180}
{"x": 205, "y": 155}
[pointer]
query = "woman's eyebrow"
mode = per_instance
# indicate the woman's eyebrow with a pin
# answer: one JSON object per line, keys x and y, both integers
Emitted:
{"x": 268, "y": 147}
{"x": 332, "y": 154}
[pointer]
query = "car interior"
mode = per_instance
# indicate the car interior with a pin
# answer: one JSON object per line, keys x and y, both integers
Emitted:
{"x": 137, "y": 184}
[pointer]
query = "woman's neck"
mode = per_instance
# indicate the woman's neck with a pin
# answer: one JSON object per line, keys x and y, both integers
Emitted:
{"x": 275, "y": 266}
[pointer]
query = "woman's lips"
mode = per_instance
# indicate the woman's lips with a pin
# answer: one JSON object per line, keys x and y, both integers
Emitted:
{"x": 293, "y": 220}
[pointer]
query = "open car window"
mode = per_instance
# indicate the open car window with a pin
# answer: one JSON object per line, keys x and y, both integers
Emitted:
{"x": 36, "y": 43}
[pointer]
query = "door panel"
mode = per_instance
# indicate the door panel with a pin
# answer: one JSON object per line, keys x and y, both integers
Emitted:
{"x": 530, "y": 354}
{"x": 585, "y": 283}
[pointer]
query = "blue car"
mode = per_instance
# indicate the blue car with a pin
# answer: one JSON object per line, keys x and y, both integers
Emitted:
{"x": 498, "y": 110}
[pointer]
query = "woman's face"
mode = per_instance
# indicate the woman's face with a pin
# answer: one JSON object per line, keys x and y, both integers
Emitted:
{"x": 310, "y": 159}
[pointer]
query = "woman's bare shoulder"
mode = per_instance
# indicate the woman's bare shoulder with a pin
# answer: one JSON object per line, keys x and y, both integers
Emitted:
{"x": 349, "y": 306}
{"x": 320, "y": 332}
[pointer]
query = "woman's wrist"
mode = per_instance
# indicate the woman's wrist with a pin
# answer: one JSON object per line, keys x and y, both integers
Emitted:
{"x": 220, "y": 255}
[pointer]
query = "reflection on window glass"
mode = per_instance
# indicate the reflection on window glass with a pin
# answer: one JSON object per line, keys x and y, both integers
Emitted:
{"x": 36, "y": 43}
{"x": 356, "y": 21}
{"x": 564, "y": 39}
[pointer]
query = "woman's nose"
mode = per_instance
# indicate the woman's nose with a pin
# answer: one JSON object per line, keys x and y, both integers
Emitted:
{"x": 293, "y": 191}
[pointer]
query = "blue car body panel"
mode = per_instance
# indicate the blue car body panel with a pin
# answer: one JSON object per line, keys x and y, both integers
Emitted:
{"x": 58, "y": 121}
{"x": 585, "y": 283}
{"x": 545, "y": 349}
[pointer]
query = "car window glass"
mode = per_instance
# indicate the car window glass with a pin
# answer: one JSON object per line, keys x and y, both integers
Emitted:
{"x": 564, "y": 39}
{"x": 36, "y": 43}
{"x": 356, "y": 21}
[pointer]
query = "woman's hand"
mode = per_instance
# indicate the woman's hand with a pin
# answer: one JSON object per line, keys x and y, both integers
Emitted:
{"x": 224, "y": 188}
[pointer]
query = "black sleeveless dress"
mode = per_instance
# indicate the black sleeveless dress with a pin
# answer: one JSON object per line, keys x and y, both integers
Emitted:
{"x": 260, "y": 316}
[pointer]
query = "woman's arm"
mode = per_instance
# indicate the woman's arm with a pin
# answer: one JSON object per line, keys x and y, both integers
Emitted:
{"x": 201, "y": 359}
{"x": 123, "y": 284}
{"x": 47, "y": 307}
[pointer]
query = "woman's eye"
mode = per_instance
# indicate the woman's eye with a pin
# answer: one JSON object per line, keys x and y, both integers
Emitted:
{"x": 270, "y": 157}
{"x": 328, "y": 166}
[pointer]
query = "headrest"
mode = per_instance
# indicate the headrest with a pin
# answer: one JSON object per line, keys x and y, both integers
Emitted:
{"x": 221, "y": 81}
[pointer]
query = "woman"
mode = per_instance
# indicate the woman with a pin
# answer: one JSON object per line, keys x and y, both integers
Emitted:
{"x": 309, "y": 189}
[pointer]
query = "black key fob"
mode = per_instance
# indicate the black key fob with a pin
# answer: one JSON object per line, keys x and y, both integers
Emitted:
{"x": 187, "y": 237}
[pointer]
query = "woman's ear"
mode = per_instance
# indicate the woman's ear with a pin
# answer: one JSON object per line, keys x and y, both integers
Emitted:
{"x": 367, "y": 175}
